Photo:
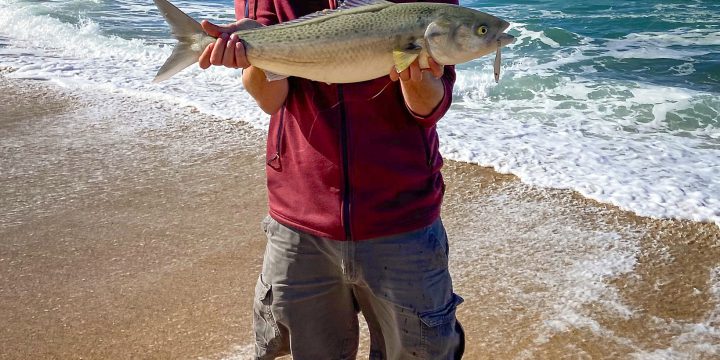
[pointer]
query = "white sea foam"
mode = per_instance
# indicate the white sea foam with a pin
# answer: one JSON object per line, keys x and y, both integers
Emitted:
{"x": 79, "y": 56}
{"x": 683, "y": 69}
{"x": 613, "y": 141}
{"x": 529, "y": 35}
{"x": 663, "y": 45}
{"x": 559, "y": 138}
{"x": 561, "y": 278}
{"x": 696, "y": 340}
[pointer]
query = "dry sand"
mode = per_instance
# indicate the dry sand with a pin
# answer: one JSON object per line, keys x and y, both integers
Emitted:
{"x": 134, "y": 233}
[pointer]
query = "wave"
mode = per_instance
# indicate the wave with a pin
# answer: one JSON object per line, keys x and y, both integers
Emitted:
{"x": 555, "y": 119}
{"x": 81, "y": 55}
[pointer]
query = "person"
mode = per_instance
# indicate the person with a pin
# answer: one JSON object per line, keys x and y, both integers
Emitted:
{"x": 354, "y": 190}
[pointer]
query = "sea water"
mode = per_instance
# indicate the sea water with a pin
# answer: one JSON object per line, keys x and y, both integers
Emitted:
{"x": 618, "y": 100}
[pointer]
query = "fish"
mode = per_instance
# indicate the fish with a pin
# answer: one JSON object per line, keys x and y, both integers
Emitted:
{"x": 360, "y": 40}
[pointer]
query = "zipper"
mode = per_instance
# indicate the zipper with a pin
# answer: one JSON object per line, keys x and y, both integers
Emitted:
{"x": 345, "y": 161}
{"x": 278, "y": 140}
{"x": 428, "y": 158}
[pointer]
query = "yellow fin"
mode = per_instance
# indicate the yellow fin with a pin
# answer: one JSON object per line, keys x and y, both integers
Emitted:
{"x": 403, "y": 59}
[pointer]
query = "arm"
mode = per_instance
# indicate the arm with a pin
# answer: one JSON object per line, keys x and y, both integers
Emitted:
{"x": 427, "y": 92}
{"x": 422, "y": 93}
{"x": 269, "y": 95}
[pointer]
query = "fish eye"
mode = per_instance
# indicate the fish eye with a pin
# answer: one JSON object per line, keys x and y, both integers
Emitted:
{"x": 482, "y": 30}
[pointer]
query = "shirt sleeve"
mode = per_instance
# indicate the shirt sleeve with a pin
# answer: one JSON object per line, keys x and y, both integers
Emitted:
{"x": 263, "y": 11}
{"x": 448, "y": 80}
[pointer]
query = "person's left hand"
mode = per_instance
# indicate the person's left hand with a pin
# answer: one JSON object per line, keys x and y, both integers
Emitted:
{"x": 415, "y": 73}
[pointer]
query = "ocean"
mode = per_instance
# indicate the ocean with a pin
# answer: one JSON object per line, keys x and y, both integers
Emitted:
{"x": 618, "y": 100}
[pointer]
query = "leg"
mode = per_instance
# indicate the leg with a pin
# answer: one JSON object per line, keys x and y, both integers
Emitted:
{"x": 406, "y": 291}
{"x": 303, "y": 305}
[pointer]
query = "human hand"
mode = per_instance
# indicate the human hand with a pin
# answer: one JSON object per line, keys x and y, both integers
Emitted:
{"x": 228, "y": 50}
{"x": 422, "y": 94}
{"x": 415, "y": 73}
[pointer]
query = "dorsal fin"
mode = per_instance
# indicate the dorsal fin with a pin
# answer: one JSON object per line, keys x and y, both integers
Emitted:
{"x": 347, "y": 6}
{"x": 355, "y": 3}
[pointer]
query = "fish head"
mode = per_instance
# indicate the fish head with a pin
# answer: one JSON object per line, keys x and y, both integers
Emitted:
{"x": 460, "y": 34}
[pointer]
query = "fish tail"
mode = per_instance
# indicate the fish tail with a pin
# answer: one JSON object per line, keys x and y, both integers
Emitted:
{"x": 191, "y": 38}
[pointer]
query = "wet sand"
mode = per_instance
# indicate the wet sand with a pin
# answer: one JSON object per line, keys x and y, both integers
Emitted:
{"x": 130, "y": 229}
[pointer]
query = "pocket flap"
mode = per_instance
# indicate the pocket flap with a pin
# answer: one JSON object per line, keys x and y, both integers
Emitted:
{"x": 262, "y": 289}
{"x": 443, "y": 315}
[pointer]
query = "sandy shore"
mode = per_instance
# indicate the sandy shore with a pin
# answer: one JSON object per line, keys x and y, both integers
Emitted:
{"x": 130, "y": 229}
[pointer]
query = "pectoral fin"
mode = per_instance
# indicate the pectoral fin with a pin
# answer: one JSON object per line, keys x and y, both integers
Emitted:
{"x": 271, "y": 76}
{"x": 403, "y": 58}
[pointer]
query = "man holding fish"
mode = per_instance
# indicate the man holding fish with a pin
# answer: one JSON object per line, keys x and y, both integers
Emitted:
{"x": 353, "y": 167}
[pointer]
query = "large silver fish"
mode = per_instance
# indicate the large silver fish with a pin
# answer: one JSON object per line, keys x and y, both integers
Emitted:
{"x": 359, "y": 41}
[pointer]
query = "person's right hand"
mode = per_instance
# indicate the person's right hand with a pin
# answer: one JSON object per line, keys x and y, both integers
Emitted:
{"x": 228, "y": 50}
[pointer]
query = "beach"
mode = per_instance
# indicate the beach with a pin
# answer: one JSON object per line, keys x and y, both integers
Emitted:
{"x": 123, "y": 241}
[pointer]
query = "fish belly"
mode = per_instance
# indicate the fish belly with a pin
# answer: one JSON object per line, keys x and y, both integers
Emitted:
{"x": 331, "y": 72}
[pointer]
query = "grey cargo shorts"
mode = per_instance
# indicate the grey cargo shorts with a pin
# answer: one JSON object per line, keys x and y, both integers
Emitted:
{"x": 311, "y": 289}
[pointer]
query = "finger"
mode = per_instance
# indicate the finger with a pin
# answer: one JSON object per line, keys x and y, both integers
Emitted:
{"x": 394, "y": 76}
{"x": 229, "y": 55}
{"x": 241, "y": 23}
{"x": 405, "y": 74}
{"x": 231, "y": 27}
{"x": 415, "y": 72}
{"x": 217, "y": 55}
{"x": 210, "y": 28}
{"x": 436, "y": 69}
{"x": 204, "y": 60}
{"x": 240, "y": 57}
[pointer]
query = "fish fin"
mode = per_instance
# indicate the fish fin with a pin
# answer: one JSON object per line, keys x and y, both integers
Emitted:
{"x": 355, "y": 3}
{"x": 347, "y": 7}
{"x": 271, "y": 76}
{"x": 191, "y": 38}
{"x": 403, "y": 59}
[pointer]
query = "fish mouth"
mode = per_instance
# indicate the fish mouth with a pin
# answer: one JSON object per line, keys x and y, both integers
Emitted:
{"x": 505, "y": 39}
{"x": 504, "y": 25}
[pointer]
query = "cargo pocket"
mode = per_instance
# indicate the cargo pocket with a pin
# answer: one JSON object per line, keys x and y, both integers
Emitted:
{"x": 268, "y": 339}
{"x": 441, "y": 337}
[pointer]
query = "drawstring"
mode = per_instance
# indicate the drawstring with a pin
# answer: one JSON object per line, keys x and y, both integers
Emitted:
{"x": 278, "y": 142}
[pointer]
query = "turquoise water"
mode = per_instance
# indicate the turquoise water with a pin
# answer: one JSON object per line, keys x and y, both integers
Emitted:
{"x": 685, "y": 32}
{"x": 619, "y": 100}
{"x": 565, "y": 23}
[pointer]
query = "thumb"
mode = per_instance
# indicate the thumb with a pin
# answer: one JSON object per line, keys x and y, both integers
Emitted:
{"x": 211, "y": 29}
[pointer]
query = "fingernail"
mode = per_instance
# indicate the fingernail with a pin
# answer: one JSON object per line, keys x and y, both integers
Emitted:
{"x": 238, "y": 46}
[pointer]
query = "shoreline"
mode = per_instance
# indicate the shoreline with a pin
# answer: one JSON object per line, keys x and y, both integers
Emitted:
{"x": 135, "y": 233}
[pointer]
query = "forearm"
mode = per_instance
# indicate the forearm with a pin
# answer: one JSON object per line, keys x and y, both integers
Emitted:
{"x": 269, "y": 95}
{"x": 422, "y": 97}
